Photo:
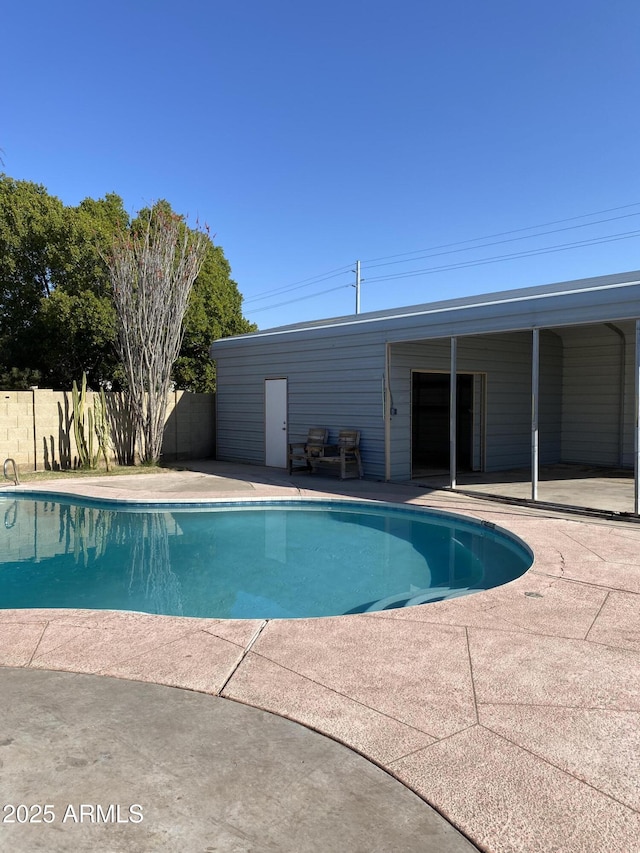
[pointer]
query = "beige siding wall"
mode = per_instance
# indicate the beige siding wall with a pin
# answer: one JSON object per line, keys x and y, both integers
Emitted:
{"x": 36, "y": 427}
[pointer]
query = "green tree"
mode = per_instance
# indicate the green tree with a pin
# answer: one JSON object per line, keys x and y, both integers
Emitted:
{"x": 76, "y": 334}
{"x": 89, "y": 231}
{"x": 57, "y": 317}
{"x": 56, "y": 311}
{"x": 76, "y": 323}
{"x": 31, "y": 224}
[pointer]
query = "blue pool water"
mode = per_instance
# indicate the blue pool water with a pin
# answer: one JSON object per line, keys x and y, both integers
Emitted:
{"x": 251, "y": 560}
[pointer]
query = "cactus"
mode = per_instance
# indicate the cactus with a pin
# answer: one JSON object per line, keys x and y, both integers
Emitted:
{"x": 84, "y": 438}
{"x": 102, "y": 427}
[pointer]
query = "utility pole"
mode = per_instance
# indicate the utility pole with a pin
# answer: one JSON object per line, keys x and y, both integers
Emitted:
{"x": 357, "y": 286}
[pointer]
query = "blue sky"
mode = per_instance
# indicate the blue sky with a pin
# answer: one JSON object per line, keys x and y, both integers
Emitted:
{"x": 311, "y": 135}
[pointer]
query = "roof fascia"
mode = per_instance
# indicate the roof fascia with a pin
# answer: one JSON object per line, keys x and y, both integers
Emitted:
{"x": 514, "y": 297}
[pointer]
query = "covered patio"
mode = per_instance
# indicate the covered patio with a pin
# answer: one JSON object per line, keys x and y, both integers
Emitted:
{"x": 546, "y": 414}
{"x": 583, "y": 487}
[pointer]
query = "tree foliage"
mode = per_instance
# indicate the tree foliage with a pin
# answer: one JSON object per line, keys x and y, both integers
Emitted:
{"x": 76, "y": 333}
{"x": 30, "y": 228}
{"x": 57, "y": 315}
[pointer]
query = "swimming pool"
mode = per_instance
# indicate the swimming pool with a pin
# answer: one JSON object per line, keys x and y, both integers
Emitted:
{"x": 245, "y": 560}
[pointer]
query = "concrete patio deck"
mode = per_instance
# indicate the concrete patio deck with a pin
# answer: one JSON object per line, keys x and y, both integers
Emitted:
{"x": 608, "y": 490}
{"x": 514, "y": 712}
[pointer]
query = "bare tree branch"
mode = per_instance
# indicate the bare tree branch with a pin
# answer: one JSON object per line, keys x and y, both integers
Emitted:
{"x": 153, "y": 267}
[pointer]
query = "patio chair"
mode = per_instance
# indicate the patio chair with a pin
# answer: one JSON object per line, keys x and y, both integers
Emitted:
{"x": 305, "y": 451}
{"x": 346, "y": 454}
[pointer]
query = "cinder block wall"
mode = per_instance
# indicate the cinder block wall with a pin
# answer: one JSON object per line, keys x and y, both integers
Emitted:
{"x": 17, "y": 426}
{"x": 36, "y": 427}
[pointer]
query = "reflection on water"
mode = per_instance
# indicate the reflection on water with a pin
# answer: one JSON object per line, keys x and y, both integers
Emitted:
{"x": 79, "y": 552}
{"x": 10, "y": 515}
{"x": 243, "y": 562}
{"x": 150, "y": 573}
{"x": 84, "y": 530}
{"x": 143, "y": 537}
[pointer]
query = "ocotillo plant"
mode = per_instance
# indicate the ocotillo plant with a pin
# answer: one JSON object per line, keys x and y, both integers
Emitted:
{"x": 153, "y": 266}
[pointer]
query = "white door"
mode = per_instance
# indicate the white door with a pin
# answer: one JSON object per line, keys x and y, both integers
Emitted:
{"x": 275, "y": 423}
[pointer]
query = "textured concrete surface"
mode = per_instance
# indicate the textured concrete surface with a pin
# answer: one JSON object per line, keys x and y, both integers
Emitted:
{"x": 608, "y": 489}
{"x": 173, "y": 770}
{"x": 515, "y": 712}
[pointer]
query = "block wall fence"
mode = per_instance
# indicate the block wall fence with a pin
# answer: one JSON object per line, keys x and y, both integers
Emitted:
{"x": 36, "y": 427}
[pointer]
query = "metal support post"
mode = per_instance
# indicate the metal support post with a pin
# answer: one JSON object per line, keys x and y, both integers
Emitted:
{"x": 636, "y": 446}
{"x": 535, "y": 403}
{"x": 453, "y": 413}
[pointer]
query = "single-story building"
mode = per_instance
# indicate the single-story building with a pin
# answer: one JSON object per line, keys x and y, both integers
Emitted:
{"x": 542, "y": 375}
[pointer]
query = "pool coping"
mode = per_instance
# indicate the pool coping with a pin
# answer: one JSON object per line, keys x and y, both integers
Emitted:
{"x": 514, "y": 712}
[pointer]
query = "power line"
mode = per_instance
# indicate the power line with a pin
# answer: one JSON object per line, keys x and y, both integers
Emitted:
{"x": 305, "y": 282}
{"x": 321, "y": 277}
{"x": 527, "y": 253}
{"x": 299, "y": 299}
{"x": 508, "y": 240}
{"x": 497, "y": 258}
{"x": 504, "y": 233}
